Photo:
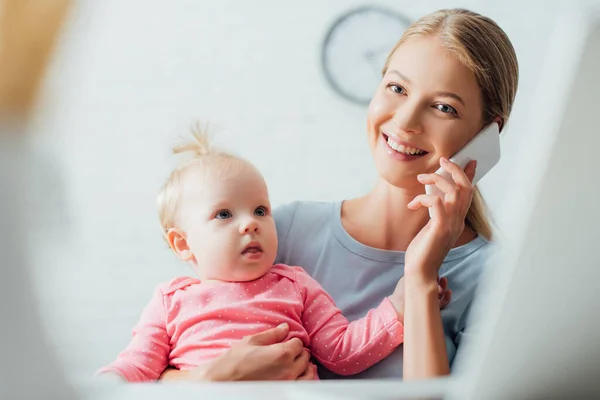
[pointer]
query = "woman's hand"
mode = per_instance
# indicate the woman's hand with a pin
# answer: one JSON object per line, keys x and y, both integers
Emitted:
{"x": 310, "y": 374}
{"x": 263, "y": 356}
{"x": 428, "y": 249}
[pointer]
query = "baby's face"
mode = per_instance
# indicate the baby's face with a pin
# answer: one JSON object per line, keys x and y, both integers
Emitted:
{"x": 228, "y": 225}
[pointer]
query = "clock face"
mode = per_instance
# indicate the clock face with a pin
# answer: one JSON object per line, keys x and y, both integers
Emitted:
{"x": 355, "y": 49}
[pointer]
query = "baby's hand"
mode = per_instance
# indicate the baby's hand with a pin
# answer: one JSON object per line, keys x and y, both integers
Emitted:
{"x": 444, "y": 294}
{"x": 397, "y": 298}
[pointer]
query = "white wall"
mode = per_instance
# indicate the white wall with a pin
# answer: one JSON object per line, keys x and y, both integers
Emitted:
{"x": 129, "y": 79}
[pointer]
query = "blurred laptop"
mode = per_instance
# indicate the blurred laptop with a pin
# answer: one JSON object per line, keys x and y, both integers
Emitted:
{"x": 541, "y": 339}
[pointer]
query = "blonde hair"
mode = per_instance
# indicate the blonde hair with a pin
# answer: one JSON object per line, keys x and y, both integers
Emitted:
{"x": 210, "y": 160}
{"x": 483, "y": 47}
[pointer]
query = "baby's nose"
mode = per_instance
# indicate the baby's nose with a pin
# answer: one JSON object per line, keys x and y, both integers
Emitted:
{"x": 249, "y": 226}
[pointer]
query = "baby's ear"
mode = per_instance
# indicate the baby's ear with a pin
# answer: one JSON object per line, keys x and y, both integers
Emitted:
{"x": 178, "y": 243}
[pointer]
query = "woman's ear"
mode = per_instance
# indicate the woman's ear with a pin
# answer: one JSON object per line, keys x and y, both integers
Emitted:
{"x": 178, "y": 243}
{"x": 500, "y": 121}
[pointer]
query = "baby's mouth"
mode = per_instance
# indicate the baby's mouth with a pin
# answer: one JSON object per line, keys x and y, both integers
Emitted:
{"x": 252, "y": 248}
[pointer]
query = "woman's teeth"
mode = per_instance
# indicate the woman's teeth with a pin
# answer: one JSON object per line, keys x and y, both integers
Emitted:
{"x": 400, "y": 148}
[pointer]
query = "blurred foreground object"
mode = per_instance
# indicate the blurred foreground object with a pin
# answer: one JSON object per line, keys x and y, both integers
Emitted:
{"x": 28, "y": 32}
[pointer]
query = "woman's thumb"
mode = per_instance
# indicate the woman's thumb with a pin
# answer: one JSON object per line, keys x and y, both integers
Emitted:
{"x": 271, "y": 336}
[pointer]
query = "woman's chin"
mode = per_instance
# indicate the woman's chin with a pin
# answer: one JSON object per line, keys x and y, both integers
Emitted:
{"x": 399, "y": 177}
{"x": 409, "y": 184}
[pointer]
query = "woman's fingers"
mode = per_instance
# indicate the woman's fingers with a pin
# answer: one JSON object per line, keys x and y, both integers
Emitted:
{"x": 309, "y": 374}
{"x": 270, "y": 336}
{"x": 462, "y": 178}
{"x": 457, "y": 188}
{"x": 300, "y": 364}
{"x": 293, "y": 348}
{"x": 434, "y": 203}
{"x": 445, "y": 185}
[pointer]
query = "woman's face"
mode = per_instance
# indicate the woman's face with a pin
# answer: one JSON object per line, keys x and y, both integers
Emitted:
{"x": 428, "y": 105}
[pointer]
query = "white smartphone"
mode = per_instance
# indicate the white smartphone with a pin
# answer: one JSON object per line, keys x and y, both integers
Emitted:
{"x": 484, "y": 148}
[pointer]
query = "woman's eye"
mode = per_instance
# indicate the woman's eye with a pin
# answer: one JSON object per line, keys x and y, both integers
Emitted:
{"x": 260, "y": 211}
{"x": 223, "y": 214}
{"x": 446, "y": 109}
{"x": 396, "y": 88}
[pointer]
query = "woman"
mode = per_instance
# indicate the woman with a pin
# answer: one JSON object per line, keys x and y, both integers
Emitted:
{"x": 452, "y": 73}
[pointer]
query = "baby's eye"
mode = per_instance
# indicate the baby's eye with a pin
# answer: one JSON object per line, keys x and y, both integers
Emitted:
{"x": 260, "y": 211}
{"x": 223, "y": 214}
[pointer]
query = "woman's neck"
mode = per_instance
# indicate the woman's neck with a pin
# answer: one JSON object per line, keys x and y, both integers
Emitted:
{"x": 382, "y": 220}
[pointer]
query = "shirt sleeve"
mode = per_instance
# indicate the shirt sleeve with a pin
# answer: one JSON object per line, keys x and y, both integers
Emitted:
{"x": 344, "y": 347}
{"x": 146, "y": 356}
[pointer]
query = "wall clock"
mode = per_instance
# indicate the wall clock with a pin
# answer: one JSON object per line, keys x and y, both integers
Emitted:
{"x": 355, "y": 48}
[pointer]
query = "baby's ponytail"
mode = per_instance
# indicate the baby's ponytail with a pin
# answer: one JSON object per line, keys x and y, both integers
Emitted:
{"x": 199, "y": 145}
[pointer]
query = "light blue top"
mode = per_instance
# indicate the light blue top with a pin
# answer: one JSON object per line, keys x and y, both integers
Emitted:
{"x": 358, "y": 277}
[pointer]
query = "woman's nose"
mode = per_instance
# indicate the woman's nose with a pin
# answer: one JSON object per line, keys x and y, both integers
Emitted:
{"x": 249, "y": 225}
{"x": 408, "y": 118}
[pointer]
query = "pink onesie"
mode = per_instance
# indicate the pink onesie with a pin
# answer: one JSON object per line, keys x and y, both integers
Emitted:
{"x": 189, "y": 322}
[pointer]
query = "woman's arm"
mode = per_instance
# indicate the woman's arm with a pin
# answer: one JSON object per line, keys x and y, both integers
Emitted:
{"x": 424, "y": 342}
{"x": 263, "y": 356}
{"x": 212, "y": 374}
{"x": 199, "y": 374}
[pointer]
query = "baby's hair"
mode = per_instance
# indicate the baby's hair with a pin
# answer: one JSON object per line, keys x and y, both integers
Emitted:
{"x": 200, "y": 144}
{"x": 209, "y": 160}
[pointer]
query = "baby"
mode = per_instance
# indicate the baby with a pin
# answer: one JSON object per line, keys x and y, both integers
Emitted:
{"x": 215, "y": 214}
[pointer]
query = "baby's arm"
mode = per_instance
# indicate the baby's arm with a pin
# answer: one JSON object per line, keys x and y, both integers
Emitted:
{"x": 146, "y": 356}
{"x": 341, "y": 346}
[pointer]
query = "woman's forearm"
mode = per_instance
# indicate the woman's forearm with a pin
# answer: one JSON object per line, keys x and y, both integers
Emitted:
{"x": 172, "y": 374}
{"x": 207, "y": 372}
{"x": 424, "y": 342}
